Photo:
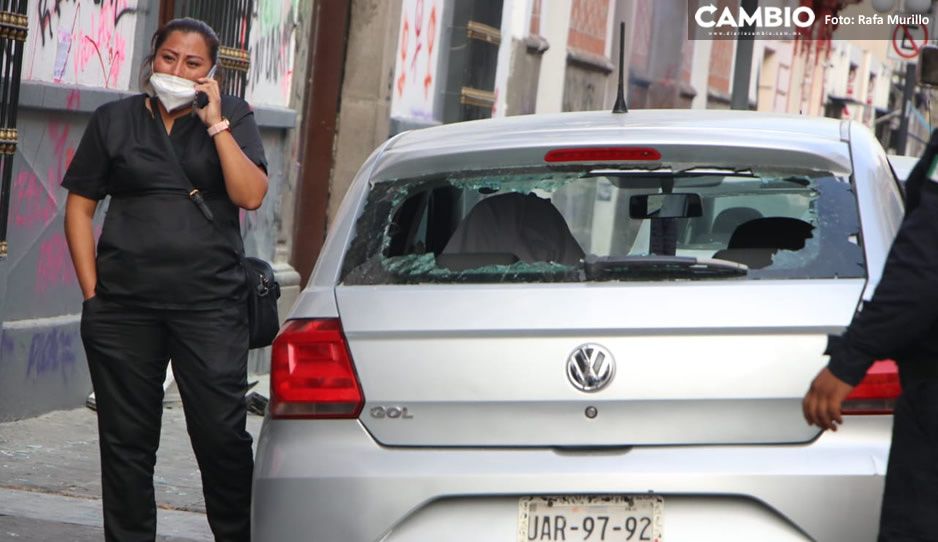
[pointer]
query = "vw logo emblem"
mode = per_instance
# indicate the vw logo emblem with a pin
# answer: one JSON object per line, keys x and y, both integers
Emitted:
{"x": 590, "y": 367}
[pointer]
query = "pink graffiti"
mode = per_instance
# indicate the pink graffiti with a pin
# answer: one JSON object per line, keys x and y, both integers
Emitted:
{"x": 55, "y": 265}
{"x": 61, "y": 151}
{"x": 32, "y": 204}
{"x": 103, "y": 43}
{"x": 34, "y": 201}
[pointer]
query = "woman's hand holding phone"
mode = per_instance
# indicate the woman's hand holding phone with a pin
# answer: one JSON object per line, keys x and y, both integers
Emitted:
{"x": 208, "y": 99}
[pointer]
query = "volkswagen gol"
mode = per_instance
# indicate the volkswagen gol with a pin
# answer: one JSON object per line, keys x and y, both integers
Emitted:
{"x": 585, "y": 327}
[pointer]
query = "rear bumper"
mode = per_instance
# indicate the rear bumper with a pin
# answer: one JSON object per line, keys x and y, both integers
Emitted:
{"x": 330, "y": 481}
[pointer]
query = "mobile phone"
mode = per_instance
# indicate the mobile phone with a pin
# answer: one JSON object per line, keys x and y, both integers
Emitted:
{"x": 201, "y": 98}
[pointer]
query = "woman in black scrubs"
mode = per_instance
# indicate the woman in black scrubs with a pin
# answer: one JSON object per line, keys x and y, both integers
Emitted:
{"x": 166, "y": 282}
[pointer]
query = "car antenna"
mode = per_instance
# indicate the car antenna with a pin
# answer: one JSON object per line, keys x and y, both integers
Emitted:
{"x": 620, "y": 106}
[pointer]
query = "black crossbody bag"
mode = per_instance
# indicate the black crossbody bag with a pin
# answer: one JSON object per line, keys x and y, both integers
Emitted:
{"x": 262, "y": 285}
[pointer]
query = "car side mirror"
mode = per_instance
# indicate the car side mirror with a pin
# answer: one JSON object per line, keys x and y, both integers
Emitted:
{"x": 927, "y": 69}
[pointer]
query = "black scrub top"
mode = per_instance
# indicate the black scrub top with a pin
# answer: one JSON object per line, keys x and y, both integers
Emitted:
{"x": 157, "y": 249}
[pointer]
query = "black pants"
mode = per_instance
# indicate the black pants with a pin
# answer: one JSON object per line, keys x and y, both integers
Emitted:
{"x": 910, "y": 500}
{"x": 128, "y": 350}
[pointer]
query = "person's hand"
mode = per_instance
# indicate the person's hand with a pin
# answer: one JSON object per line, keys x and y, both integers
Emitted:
{"x": 211, "y": 113}
{"x": 822, "y": 403}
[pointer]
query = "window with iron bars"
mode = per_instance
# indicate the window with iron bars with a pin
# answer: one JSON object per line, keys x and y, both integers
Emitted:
{"x": 473, "y": 59}
{"x": 231, "y": 20}
{"x": 13, "y": 30}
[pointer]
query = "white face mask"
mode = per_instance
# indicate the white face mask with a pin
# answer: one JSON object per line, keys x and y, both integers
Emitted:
{"x": 174, "y": 92}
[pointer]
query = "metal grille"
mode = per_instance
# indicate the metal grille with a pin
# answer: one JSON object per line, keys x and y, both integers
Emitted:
{"x": 473, "y": 59}
{"x": 231, "y": 19}
{"x": 13, "y": 29}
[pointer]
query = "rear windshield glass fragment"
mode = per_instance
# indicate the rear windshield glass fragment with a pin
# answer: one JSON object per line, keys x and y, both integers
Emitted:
{"x": 692, "y": 223}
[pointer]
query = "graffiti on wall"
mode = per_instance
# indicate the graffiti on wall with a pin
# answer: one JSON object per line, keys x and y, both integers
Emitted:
{"x": 416, "y": 61}
{"x": 272, "y": 42}
{"x": 84, "y": 42}
{"x": 6, "y": 346}
{"x": 52, "y": 352}
{"x": 35, "y": 201}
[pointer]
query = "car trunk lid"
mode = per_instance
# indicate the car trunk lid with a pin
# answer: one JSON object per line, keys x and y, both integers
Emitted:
{"x": 722, "y": 362}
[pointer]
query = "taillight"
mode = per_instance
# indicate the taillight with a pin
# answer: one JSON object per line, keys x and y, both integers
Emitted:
{"x": 603, "y": 154}
{"x": 877, "y": 392}
{"x": 311, "y": 372}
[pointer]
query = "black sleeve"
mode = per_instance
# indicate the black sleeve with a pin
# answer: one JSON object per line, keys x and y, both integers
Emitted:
{"x": 87, "y": 174}
{"x": 245, "y": 132}
{"x": 904, "y": 306}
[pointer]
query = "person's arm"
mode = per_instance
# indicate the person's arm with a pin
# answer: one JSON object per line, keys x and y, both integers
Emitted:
{"x": 87, "y": 183}
{"x": 79, "y": 233}
{"x": 901, "y": 313}
{"x": 245, "y": 181}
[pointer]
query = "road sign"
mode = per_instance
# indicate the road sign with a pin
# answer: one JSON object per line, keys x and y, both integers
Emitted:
{"x": 908, "y": 40}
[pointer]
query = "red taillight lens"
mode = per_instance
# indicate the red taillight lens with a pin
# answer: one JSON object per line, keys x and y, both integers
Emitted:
{"x": 877, "y": 392}
{"x": 311, "y": 372}
{"x": 608, "y": 154}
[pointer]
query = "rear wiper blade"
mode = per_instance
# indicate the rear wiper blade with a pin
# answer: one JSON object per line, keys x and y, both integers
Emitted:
{"x": 716, "y": 171}
{"x": 643, "y": 266}
{"x": 630, "y": 172}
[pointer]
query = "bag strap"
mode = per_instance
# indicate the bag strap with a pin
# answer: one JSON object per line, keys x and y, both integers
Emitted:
{"x": 195, "y": 196}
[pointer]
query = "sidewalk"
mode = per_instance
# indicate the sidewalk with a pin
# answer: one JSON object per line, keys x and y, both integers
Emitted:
{"x": 50, "y": 476}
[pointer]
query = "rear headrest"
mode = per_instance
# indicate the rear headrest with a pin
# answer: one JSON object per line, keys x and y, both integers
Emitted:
{"x": 729, "y": 219}
{"x": 776, "y": 232}
{"x": 525, "y": 225}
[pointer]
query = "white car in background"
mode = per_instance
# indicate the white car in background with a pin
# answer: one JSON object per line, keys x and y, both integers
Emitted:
{"x": 586, "y": 327}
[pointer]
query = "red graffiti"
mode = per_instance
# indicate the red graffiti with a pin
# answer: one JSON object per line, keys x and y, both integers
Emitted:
{"x": 431, "y": 38}
{"x": 424, "y": 31}
{"x": 55, "y": 265}
{"x": 400, "y": 83}
{"x": 431, "y": 33}
{"x": 418, "y": 25}
{"x": 32, "y": 204}
{"x": 405, "y": 31}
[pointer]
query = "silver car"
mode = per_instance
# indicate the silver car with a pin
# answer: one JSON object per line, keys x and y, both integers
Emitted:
{"x": 585, "y": 327}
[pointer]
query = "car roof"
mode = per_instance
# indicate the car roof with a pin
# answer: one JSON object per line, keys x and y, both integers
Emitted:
{"x": 821, "y": 140}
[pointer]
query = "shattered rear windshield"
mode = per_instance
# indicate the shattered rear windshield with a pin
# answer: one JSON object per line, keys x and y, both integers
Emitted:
{"x": 541, "y": 225}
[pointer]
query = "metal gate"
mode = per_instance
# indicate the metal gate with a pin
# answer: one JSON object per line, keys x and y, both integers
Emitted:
{"x": 13, "y": 29}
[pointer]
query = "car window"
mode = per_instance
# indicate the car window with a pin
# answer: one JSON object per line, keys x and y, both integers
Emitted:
{"x": 531, "y": 225}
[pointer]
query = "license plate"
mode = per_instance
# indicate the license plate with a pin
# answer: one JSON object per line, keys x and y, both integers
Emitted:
{"x": 610, "y": 518}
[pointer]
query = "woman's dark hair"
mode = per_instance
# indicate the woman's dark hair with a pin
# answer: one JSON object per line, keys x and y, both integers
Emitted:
{"x": 187, "y": 25}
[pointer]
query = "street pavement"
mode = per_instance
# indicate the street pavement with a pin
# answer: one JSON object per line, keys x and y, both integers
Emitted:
{"x": 50, "y": 485}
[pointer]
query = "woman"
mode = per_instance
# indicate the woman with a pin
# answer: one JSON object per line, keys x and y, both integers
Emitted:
{"x": 166, "y": 281}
